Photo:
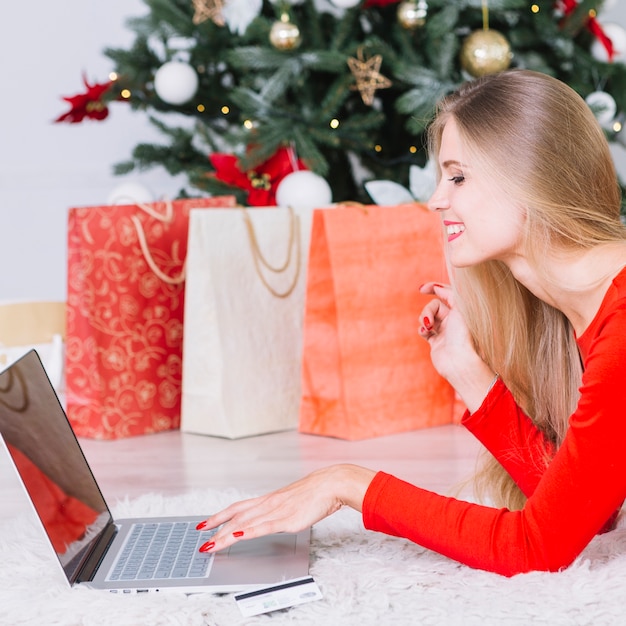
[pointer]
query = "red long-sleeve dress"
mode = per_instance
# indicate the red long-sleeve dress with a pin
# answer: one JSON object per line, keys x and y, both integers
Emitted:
{"x": 569, "y": 501}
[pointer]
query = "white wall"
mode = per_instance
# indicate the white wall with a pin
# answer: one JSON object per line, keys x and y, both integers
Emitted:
{"x": 46, "y": 168}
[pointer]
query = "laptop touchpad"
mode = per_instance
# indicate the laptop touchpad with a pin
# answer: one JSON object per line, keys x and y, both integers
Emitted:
{"x": 271, "y": 546}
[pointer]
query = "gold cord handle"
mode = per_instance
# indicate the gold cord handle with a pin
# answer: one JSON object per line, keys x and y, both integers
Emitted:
{"x": 259, "y": 260}
{"x": 143, "y": 244}
{"x": 166, "y": 217}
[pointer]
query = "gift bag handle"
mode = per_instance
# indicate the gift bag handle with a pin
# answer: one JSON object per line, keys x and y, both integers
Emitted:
{"x": 259, "y": 259}
{"x": 166, "y": 218}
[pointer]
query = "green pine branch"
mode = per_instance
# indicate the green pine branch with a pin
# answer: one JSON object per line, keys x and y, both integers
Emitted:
{"x": 253, "y": 99}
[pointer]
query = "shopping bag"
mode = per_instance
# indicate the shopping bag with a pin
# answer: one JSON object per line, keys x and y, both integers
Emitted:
{"x": 246, "y": 276}
{"x": 125, "y": 303}
{"x": 39, "y": 325}
{"x": 366, "y": 371}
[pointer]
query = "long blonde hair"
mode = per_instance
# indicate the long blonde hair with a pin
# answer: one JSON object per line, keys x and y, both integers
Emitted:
{"x": 542, "y": 146}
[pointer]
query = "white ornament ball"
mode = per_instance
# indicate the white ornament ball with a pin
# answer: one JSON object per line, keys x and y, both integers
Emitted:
{"x": 130, "y": 193}
{"x": 176, "y": 82}
{"x": 617, "y": 35}
{"x": 303, "y": 189}
{"x": 607, "y": 5}
{"x": 603, "y": 105}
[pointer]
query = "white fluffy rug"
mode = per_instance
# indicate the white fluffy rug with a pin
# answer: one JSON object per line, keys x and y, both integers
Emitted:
{"x": 366, "y": 579}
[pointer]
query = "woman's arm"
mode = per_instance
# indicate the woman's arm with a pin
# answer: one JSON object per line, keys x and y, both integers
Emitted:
{"x": 511, "y": 437}
{"x": 291, "y": 508}
{"x": 493, "y": 416}
{"x": 580, "y": 489}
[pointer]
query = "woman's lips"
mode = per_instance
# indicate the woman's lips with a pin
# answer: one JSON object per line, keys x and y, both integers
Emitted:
{"x": 454, "y": 229}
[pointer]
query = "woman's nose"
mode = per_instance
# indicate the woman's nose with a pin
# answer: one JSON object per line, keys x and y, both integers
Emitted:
{"x": 438, "y": 201}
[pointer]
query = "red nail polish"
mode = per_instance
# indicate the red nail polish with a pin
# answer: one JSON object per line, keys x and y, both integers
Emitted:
{"x": 201, "y": 526}
{"x": 438, "y": 285}
{"x": 205, "y": 547}
{"x": 427, "y": 324}
{"x": 238, "y": 533}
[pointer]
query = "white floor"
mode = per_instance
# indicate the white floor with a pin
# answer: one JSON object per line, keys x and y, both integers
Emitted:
{"x": 174, "y": 463}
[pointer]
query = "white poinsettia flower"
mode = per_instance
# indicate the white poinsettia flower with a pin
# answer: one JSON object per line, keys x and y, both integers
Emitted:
{"x": 239, "y": 13}
{"x": 387, "y": 192}
{"x": 422, "y": 181}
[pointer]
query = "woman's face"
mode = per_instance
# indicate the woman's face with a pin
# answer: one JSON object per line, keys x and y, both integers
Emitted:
{"x": 480, "y": 222}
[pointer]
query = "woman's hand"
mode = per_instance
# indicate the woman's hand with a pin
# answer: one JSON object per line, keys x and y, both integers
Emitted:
{"x": 445, "y": 330}
{"x": 291, "y": 508}
{"x": 452, "y": 349}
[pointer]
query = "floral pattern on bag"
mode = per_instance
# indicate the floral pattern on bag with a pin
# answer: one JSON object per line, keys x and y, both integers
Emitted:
{"x": 125, "y": 305}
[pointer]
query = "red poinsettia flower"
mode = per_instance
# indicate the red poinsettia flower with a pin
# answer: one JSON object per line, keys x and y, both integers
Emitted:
{"x": 87, "y": 105}
{"x": 568, "y": 6}
{"x": 262, "y": 181}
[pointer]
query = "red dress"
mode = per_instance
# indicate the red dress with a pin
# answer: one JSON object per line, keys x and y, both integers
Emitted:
{"x": 569, "y": 502}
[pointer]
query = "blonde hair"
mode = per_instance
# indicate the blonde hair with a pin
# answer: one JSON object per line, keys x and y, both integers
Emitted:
{"x": 542, "y": 146}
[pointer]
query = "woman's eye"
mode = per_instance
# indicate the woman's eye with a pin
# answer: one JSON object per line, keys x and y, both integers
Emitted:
{"x": 457, "y": 180}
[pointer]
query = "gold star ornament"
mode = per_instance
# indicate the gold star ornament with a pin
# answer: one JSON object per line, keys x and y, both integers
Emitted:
{"x": 367, "y": 75}
{"x": 208, "y": 10}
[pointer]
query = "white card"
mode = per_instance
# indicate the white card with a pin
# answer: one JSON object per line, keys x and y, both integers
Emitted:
{"x": 279, "y": 596}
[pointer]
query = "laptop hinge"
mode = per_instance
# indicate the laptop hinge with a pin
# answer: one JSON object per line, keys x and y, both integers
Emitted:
{"x": 93, "y": 560}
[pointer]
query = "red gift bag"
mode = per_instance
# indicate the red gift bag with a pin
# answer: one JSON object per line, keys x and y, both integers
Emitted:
{"x": 365, "y": 370}
{"x": 125, "y": 298}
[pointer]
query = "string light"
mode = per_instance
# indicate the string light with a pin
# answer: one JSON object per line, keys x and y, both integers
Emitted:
{"x": 535, "y": 8}
{"x": 200, "y": 108}
{"x": 413, "y": 149}
{"x": 125, "y": 93}
{"x": 248, "y": 124}
{"x": 225, "y": 110}
{"x": 113, "y": 76}
{"x": 334, "y": 123}
{"x": 378, "y": 148}
{"x": 617, "y": 126}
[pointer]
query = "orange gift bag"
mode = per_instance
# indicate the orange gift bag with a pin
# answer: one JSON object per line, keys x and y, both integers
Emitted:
{"x": 365, "y": 370}
{"x": 125, "y": 299}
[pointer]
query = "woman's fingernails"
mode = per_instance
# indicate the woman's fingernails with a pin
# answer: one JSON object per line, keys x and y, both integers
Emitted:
{"x": 205, "y": 547}
{"x": 427, "y": 324}
{"x": 438, "y": 285}
{"x": 201, "y": 526}
{"x": 238, "y": 533}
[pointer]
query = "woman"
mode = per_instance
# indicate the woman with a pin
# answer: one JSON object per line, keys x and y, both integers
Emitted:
{"x": 530, "y": 334}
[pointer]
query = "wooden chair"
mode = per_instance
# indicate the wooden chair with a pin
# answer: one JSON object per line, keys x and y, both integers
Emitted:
{"x": 34, "y": 324}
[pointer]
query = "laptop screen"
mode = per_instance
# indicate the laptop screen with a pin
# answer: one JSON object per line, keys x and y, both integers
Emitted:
{"x": 50, "y": 462}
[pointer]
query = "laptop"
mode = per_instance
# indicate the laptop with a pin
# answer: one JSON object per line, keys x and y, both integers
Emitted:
{"x": 119, "y": 555}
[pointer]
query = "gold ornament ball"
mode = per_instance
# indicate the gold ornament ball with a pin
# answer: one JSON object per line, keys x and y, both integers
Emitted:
{"x": 485, "y": 52}
{"x": 284, "y": 35}
{"x": 412, "y": 14}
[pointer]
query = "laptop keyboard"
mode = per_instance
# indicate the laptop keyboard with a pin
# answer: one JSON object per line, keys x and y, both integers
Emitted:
{"x": 163, "y": 550}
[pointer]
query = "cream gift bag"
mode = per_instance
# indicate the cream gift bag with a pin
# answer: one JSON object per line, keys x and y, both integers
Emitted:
{"x": 244, "y": 307}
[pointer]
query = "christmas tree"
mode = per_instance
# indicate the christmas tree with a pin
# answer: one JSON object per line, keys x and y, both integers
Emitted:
{"x": 343, "y": 88}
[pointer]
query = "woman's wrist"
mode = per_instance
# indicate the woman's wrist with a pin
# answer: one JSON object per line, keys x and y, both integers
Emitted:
{"x": 474, "y": 384}
{"x": 351, "y": 484}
